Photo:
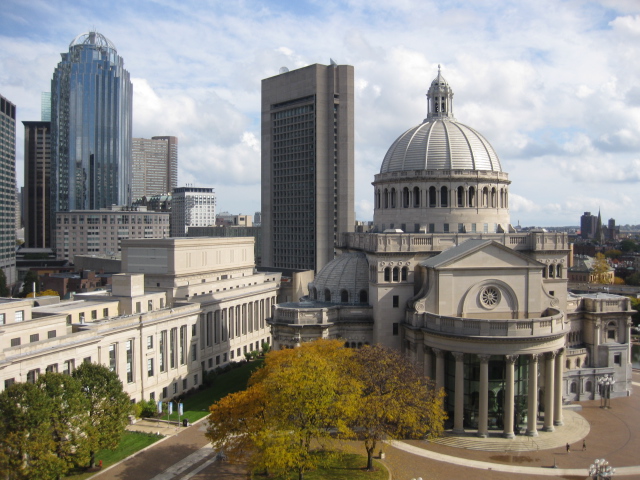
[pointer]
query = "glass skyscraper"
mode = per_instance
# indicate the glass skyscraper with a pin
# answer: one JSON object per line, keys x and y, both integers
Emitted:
{"x": 91, "y": 106}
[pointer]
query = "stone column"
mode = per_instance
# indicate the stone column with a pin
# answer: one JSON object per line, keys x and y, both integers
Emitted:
{"x": 549, "y": 368}
{"x": 510, "y": 360}
{"x": 458, "y": 416}
{"x": 439, "y": 367}
{"x": 557, "y": 394}
{"x": 532, "y": 400}
{"x": 483, "y": 407}
{"x": 428, "y": 362}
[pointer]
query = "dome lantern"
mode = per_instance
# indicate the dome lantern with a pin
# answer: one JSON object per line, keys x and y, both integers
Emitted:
{"x": 440, "y": 99}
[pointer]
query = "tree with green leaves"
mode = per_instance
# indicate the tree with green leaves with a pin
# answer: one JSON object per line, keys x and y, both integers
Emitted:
{"x": 30, "y": 279}
{"x": 69, "y": 418}
{"x": 396, "y": 401}
{"x": 108, "y": 407}
{"x": 4, "y": 290}
{"x": 27, "y": 443}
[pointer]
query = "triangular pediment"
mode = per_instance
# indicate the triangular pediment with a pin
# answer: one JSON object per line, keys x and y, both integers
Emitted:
{"x": 480, "y": 254}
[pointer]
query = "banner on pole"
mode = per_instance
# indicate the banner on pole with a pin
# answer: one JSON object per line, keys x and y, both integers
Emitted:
{"x": 170, "y": 408}
{"x": 181, "y": 409}
{"x": 159, "y": 406}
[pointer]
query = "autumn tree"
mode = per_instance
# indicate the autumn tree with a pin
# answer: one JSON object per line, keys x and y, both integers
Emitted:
{"x": 396, "y": 401}
{"x": 69, "y": 418}
{"x": 108, "y": 407}
{"x": 26, "y": 442}
{"x": 298, "y": 396}
{"x": 600, "y": 269}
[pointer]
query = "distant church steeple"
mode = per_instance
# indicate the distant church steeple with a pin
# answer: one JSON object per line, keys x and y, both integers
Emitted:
{"x": 599, "y": 235}
{"x": 440, "y": 98}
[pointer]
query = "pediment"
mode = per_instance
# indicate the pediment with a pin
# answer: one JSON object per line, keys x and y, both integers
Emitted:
{"x": 485, "y": 254}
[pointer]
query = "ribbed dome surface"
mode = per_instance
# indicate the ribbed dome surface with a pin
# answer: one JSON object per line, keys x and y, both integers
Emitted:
{"x": 349, "y": 271}
{"x": 441, "y": 145}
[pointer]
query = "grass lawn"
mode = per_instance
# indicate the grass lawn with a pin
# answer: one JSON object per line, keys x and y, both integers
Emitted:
{"x": 348, "y": 466}
{"x": 197, "y": 406}
{"x": 131, "y": 442}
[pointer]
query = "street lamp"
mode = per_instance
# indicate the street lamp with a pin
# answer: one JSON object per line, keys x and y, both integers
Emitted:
{"x": 601, "y": 469}
{"x": 606, "y": 384}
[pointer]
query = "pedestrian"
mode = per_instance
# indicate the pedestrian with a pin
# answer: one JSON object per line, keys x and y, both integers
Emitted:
{"x": 568, "y": 448}
{"x": 584, "y": 445}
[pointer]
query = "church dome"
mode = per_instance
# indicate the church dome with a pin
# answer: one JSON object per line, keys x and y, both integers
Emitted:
{"x": 440, "y": 142}
{"x": 342, "y": 280}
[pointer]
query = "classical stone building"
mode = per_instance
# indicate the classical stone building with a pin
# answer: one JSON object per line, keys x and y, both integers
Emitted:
{"x": 185, "y": 307}
{"x": 445, "y": 278}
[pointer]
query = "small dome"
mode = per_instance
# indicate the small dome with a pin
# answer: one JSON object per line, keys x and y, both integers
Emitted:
{"x": 93, "y": 38}
{"x": 440, "y": 144}
{"x": 342, "y": 280}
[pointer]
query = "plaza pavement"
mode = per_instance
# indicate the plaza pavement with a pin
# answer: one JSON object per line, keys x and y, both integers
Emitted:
{"x": 613, "y": 434}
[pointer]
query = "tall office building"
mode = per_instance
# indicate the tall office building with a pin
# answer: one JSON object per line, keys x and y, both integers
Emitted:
{"x": 37, "y": 184}
{"x": 8, "y": 189}
{"x": 154, "y": 166}
{"x": 192, "y": 207}
{"x": 588, "y": 225}
{"x": 91, "y": 106}
{"x": 307, "y": 164}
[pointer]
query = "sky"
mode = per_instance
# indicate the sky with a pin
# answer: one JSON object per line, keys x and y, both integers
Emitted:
{"x": 551, "y": 84}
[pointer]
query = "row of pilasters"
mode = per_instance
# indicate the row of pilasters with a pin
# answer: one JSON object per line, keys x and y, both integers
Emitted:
{"x": 552, "y": 390}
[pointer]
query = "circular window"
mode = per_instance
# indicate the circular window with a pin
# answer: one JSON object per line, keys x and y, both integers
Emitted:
{"x": 490, "y": 296}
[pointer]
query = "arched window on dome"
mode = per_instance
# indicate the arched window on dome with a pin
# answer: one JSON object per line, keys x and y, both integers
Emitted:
{"x": 403, "y": 275}
{"x": 395, "y": 274}
{"x": 485, "y": 197}
{"x": 378, "y": 199}
{"x": 416, "y": 197}
{"x": 393, "y": 198}
{"x": 493, "y": 197}
{"x": 432, "y": 197}
{"x": 502, "y": 198}
{"x": 327, "y": 295}
{"x": 578, "y": 363}
{"x": 344, "y": 296}
{"x": 386, "y": 198}
{"x": 472, "y": 197}
{"x": 364, "y": 296}
{"x": 568, "y": 364}
{"x": 405, "y": 197}
{"x": 444, "y": 197}
{"x": 387, "y": 274}
{"x": 460, "y": 196}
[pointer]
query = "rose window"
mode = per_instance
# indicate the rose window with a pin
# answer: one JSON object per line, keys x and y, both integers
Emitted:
{"x": 490, "y": 297}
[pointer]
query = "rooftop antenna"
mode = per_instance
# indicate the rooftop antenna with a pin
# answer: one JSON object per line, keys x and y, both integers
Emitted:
{"x": 283, "y": 70}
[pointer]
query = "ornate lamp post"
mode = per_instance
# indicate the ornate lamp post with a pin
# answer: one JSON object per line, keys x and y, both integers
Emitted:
{"x": 606, "y": 384}
{"x": 601, "y": 470}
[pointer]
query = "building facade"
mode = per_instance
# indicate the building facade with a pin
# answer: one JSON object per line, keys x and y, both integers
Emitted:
{"x": 8, "y": 189}
{"x": 588, "y": 225}
{"x": 100, "y": 232}
{"x": 91, "y": 108}
{"x": 199, "y": 306}
{"x": 444, "y": 277}
{"x": 154, "y": 166}
{"x": 307, "y": 165}
{"x": 37, "y": 184}
{"x": 192, "y": 207}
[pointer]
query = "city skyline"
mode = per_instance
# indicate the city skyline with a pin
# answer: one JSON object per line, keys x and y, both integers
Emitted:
{"x": 565, "y": 128}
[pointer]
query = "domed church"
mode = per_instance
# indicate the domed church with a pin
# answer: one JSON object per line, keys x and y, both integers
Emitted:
{"x": 443, "y": 276}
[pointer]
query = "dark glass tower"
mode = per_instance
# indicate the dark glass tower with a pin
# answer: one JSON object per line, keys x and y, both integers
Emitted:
{"x": 91, "y": 100}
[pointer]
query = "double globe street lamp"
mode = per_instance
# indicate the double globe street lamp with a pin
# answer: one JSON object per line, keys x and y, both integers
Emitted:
{"x": 606, "y": 384}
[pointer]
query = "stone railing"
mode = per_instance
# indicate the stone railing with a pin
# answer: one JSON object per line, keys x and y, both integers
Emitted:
{"x": 549, "y": 325}
{"x": 438, "y": 242}
{"x": 301, "y": 314}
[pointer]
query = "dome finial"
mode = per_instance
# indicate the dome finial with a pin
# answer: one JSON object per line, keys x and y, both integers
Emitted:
{"x": 440, "y": 98}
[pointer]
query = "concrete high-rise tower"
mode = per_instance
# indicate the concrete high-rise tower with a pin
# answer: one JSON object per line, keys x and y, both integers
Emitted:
{"x": 91, "y": 107}
{"x": 307, "y": 164}
{"x": 8, "y": 189}
{"x": 37, "y": 184}
{"x": 154, "y": 166}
